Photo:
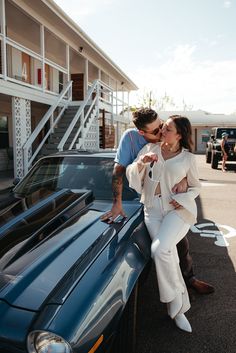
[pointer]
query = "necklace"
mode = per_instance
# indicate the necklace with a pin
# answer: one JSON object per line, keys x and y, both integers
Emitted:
{"x": 172, "y": 149}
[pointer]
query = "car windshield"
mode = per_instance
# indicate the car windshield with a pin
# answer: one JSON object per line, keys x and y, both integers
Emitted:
{"x": 231, "y": 133}
{"x": 86, "y": 172}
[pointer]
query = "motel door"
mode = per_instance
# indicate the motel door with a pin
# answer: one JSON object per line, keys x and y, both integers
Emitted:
{"x": 77, "y": 87}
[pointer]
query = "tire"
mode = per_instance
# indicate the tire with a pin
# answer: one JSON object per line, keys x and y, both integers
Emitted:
{"x": 125, "y": 340}
{"x": 214, "y": 161}
{"x": 208, "y": 156}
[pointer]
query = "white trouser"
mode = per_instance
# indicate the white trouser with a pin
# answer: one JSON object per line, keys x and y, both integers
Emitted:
{"x": 166, "y": 229}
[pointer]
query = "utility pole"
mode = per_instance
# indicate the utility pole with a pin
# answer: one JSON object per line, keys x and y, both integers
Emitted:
{"x": 150, "y": 99}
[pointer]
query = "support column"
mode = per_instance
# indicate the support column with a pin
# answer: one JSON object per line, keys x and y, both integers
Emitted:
{"x": 99, "y": 74}
{"x": 21, "y": 116}
{"x": 42, "y": 51}
{"x": 118, "y": 133}
{"x": 3, "y": 41}
{"x": 68, "y": 62}
{"x": 85, "y": 77}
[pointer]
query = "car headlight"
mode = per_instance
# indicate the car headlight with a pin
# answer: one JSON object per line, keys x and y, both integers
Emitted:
{"x": 47, "y": 342}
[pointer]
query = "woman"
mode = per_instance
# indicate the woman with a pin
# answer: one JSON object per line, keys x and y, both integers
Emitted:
{"x": 168, "y": 216}
{"x": 225, "y": 149}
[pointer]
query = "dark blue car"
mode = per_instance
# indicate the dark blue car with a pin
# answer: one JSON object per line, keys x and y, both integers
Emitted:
{"x": 68, "y": 281}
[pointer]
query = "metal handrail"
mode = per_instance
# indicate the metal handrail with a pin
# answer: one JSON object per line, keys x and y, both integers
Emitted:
{"x": 80, "y": 115}
{"x": 82, "y": 126}
{"x": 49, "y": 115}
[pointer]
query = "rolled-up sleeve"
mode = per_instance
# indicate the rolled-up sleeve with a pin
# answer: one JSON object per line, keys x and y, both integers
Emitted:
{"x": 194, "y": 184}
{"x": 133, "y": 175}
{"x": 187, "y": 199}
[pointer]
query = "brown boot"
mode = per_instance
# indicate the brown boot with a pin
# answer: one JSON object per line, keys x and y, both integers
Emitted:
{"x": 201, "y": 287}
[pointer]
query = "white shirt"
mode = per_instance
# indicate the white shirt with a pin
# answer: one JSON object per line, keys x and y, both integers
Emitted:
{"x": 168, "y": 173}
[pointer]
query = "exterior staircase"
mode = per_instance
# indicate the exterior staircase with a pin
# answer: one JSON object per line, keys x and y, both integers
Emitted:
{"x": 51, "y": 146}
{"x": 72, "y": 127}
{"x": 59, "y": 131}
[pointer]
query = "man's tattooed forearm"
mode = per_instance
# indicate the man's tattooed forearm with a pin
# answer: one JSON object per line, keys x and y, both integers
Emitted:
{"x": 117, "y": 181}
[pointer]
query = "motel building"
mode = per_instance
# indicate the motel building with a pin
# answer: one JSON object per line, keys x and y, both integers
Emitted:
{"x": 58, "y": 89}
{"x": 202, "y": 123}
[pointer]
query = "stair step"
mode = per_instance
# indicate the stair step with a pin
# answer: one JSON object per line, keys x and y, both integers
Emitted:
{"x": 72, "y": 109}
{"x": 58, "y": 140}
{"x": 67, "y": 123}
{"x": 61, "y": 132}
{"x": 68, "y": 115}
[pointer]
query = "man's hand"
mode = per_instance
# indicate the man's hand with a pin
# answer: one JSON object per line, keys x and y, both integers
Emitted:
{"x": 182, "y": 186}
{"x": 111, "y": 215}
{"x": 175, "y": 204}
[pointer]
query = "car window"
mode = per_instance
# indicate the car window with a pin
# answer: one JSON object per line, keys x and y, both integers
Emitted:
{"x": 231, "y": 132}
{"x": 90, "y": 173}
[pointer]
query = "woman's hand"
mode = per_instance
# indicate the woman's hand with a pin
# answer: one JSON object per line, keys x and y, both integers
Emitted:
{"x": 148, "y": 158}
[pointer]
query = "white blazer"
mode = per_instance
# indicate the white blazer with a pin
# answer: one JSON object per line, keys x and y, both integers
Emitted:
{"x": 168, "y": 173}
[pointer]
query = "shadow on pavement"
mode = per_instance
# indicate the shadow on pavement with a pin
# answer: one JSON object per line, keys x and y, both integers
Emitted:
{"x": 212, "y": 317}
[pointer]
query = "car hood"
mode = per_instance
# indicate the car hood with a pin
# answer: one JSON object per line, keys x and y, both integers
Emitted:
{"x": 45, "y": 247}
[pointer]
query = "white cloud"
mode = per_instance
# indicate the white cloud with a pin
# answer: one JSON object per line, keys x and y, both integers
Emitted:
{"x": 207, "y": 85}
{"x": 227, "y": 4}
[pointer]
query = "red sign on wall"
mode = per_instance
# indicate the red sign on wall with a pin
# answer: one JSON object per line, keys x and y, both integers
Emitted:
{"x": 39, "y": 78}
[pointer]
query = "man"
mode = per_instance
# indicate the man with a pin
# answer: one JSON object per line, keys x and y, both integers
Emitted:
{"x": 225, "y": 148}
{"x": 148, "y": 129}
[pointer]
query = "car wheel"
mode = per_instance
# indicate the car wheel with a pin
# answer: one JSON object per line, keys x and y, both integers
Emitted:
{"x": 208, "y": 156}
{"x": 125, "y": 340}
{"x": 214, "y": 161}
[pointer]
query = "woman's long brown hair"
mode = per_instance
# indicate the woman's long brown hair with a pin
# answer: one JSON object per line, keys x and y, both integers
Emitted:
{"x": 184, "y": 128}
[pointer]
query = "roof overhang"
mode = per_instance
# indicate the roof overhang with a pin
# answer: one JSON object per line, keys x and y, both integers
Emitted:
{"x": 202, "y": 118}
{"x": 53, "y": 15}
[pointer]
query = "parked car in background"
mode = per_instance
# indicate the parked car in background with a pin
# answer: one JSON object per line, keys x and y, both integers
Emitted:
{"x": 213, "y": 148}
{"x": 68, "y": 281}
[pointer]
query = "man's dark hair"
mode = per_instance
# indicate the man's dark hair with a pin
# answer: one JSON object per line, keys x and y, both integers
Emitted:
{"x": 143, "y": 116}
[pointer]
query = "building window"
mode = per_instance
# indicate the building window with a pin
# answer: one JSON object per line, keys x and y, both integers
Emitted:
{"x": 23, "y": 67}
{"x": 4, "y": 138}
{"x": 54, "y": 79}
{"x": 205, "y": 135}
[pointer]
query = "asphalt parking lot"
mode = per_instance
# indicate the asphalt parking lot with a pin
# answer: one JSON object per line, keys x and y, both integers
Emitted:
{"x": 213, "y": 248}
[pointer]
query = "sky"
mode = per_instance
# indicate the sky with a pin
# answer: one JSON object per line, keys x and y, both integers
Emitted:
{"x": 185, "y": 49}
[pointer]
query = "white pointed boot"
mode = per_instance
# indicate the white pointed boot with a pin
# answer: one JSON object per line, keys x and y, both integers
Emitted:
{"x": 182, "y": 322}
{"x": 175, "y": 306}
